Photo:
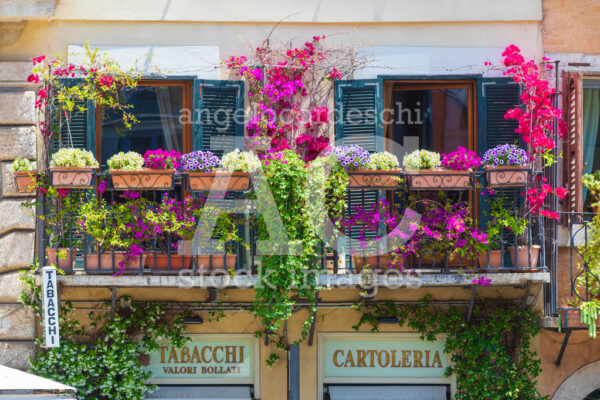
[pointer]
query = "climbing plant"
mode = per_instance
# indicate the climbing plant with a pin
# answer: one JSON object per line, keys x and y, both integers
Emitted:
{"x": 101, "y": 360}
{"x": 491, "y": 354}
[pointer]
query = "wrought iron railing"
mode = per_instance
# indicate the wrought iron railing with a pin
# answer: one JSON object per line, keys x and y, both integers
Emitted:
{"x": 64, "y": 241}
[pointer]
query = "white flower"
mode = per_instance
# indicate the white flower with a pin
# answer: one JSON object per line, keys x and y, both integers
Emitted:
{"x": 130, "y": 161}
{"x": 383, "y": 161}
{"x": 70, "y": 157}
{"x": 421, "y": 159}
{"x": 23, "y": 165}
{"x": 244, "y": 161}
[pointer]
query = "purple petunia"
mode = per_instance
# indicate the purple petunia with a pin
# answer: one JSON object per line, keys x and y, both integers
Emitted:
{"x": 505, "y": 155}
{"x": 351, "y": 157}
{"x": 202, "y": 161}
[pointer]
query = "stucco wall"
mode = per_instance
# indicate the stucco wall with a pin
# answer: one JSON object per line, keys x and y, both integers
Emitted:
{"x": 571, "y": 26}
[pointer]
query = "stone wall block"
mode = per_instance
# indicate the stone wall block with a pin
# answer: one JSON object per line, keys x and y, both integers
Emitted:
{"x": 17, "y": 107}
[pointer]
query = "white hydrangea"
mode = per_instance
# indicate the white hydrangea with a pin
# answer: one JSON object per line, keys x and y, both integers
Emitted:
{"x": 23, "y": 165}
{"x": 421, "y": 159}
{"x": 70, "y": 157}
{"x": 383, "y": 161}
{"x": 130, "y": 161}
{"x": 244, "y": 161}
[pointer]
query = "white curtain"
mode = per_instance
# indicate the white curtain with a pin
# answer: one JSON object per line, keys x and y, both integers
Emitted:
{"x": 168, "y": 117}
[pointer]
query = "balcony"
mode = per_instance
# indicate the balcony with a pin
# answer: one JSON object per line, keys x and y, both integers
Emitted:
{"x": 87, "y": 234}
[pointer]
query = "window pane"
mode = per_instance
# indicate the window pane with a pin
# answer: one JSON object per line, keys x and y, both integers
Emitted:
{"x": 157, "y": 108}
{"x": 591, "y": 135}
{"x": 438, "y": 117}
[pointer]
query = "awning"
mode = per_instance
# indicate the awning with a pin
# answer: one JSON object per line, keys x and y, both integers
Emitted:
{"x": 12, "y": 379}
{"x": 204, "y": 392}
{"x": 388, "y": 392}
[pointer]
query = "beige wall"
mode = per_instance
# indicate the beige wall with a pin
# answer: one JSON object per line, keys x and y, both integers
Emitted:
{"x": 571, "y": 26}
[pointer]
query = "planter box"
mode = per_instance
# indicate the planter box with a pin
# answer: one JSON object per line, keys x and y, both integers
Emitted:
{"x": 26, "y": 181}
{"x": 507, "y": 176}
{"x": 367, "y": 178}
{"x": 65, "y": 263}
{"x": 495, "y": 259}
{"x": 160, "y": 261}
{"x": 438, "y": 179}
{"x": 71, "y": 177}
{"x": 221, "y": 180}
{"x": 522, "y": 256}
{"x": 104, "y": 263}
{"x": 142, "y": 179}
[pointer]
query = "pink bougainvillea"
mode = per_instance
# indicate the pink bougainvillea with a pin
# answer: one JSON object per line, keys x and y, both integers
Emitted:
{"x": 536, "y": 118}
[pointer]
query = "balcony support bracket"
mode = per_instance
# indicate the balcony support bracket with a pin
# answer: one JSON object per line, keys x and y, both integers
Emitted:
{"x": 314, "y": 321}
{"x": 526, "y": 295}
{"x": 113, "y": 302}
{"x": 471, "y": 303}
{"x": 563, "y": 347}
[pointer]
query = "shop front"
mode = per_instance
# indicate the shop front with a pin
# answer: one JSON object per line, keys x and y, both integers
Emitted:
{"x": 390, "y": 366}
{"x": 211, "y": 367}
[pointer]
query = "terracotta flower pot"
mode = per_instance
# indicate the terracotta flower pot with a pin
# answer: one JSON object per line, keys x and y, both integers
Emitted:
{"x": 220, "y": 179}
{"x": 218, "y": 264}
{"x": 495, "y": 259}
{"x": 374, "y": 263}
{"x": 104, "y": 262}
{"x": 72, "y": 177}
{"x": 522, "y": 256}
{"x": 160, "y": 261}
{"x": 66, "y": 261}
{"x": 368, "y": 178}
{"x": 596, "y": 208}
{"x": 26, "y": 181}
{"x": 507, "y": 176}
{"x": 145, "y": 178}
{"x": 438, "y": 179}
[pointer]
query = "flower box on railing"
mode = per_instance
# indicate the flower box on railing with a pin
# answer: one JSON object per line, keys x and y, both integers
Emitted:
{"x": 507, "y": 176}
{"x": 374, "y": 179}
{"x": 72, "y": 177}
{"x": 221, "y": 180}
{"x": 145, "y": 178}
{"x": 438, "y": 179}
{"x": 26, "y": 181}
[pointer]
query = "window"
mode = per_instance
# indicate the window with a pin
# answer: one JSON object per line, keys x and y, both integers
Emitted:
{"x": 591, "y": 131}
{"x": 440, "y": 114}
{"x": 157, "y": 105}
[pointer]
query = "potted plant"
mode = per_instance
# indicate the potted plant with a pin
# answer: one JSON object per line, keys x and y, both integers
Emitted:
{"x": 592, "y": 182}
{"x": 203, "y": 173}
{"x": 25, "y": 172}
{"x": 506, "y": 165}
{"x": 521, "y": 253}
{"x": 491, "y": 255}
{"x": 72, "y": 168}
{"x": 240, "y": 163}
{"x": 428, "y": 170}
{"x": 114, "y": 246}
{"x": 152, "y": 171}
{"x": 366, "y": 170}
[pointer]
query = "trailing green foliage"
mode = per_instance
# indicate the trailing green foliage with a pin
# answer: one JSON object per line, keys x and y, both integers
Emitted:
{"x": 290, "y": 276}
{"x": 491, "y": 355}
{"x": 102, "y": 360}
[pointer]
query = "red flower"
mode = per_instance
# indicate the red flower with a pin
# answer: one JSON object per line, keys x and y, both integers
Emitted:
{"x": 561, "y": 192}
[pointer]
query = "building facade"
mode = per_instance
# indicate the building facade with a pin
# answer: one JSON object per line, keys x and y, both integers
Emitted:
{"x": 429, "y": 55}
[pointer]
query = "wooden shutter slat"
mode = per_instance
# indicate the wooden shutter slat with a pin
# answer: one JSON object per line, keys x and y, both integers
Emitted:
{"x": 573, "y": 147}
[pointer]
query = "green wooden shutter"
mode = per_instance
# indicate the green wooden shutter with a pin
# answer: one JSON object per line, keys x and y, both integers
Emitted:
{"x": 358, "y": 109}
{"x": 82, "y": 124}
{"x": 218, "y": 115}
{"x": 495, "y": 97}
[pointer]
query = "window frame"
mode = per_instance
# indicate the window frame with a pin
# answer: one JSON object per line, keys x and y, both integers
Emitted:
{"x": 187, "y": 104}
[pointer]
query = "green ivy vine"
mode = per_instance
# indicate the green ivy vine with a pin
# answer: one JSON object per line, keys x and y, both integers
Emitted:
{"x": 102, "y": 360}
{"x": 491, "y": 355}
{"x": 285, "y": 279}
